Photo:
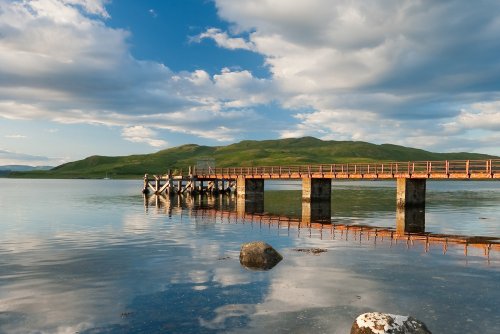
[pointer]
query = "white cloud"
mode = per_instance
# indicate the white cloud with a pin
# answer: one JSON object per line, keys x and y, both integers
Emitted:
{"x": 223, "y": 40}
{"x": 60, "y": 64}
{"x": 140, "y": 134}
{"x": 480, "y": 116}
{"x": 15, "y": 158}
{"x": 96, "y": 7}
{"x": 391, "y": 62}
{"x": 332, "y": 124}
{"x": 16, "y": 136}
{"x": 383, "y": 71}
{"x": 153, "y": 13}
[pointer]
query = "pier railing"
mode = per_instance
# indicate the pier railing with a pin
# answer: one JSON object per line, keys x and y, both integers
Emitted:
{"x": 485, "y": 169}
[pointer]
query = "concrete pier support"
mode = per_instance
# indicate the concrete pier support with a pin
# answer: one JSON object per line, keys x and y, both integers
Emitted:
{"x": 250, "y": 196}
{"x": 410, "y": 220}
{"x": 316, "y": 212}
{"x": 316, "y": 189}
{"x": 410, "y": 193}
{"x": 250, "y": 188}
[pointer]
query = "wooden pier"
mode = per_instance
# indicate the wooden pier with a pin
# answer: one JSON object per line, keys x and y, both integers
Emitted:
{"x": 192, "y": 184}
{"x": 248, "y": 182}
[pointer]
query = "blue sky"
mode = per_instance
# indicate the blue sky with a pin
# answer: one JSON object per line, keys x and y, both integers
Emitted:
{"x": 118, "y": 77}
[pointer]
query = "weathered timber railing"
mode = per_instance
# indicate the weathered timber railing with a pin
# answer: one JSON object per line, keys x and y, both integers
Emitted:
{"x": 459, "y": 169}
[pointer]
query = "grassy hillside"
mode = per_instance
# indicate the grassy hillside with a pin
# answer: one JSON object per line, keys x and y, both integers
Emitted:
{"x": 294, "y": 151}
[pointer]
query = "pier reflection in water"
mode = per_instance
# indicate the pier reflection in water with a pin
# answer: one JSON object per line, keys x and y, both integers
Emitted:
{"x": 410, "y": 220}
{"x": 318, "y": 211}
{"x": 316, "y": 216}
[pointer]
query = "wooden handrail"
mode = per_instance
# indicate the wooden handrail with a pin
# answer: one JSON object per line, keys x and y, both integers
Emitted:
{"x": 455, "y": 169}
{"x": 491, "y": 166}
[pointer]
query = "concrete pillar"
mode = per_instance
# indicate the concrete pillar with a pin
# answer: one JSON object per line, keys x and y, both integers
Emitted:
{"x": 316, "y": 212}
{"x": 246, "y": 206}
{"x": 250, "y": 196}
{"x": 410, "y": 220}
{"x": 410, "y": 192}
{"x": 316, "y": 189}
{"x": 250, "y": 188}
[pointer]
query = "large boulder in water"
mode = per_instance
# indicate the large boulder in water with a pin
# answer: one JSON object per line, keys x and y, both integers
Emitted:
{"x": 383, "y": 323}
{"x": 259, "y": 255}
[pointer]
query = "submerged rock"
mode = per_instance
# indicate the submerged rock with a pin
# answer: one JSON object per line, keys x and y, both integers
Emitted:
{"x": 259, "y": 255}
{"x": 384, "y": 323}
{"x": 314, "y": 251}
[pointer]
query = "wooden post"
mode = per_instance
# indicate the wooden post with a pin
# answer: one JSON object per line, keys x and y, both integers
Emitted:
{"x": 145, "y": 189}
{"x": 157, "y": 183}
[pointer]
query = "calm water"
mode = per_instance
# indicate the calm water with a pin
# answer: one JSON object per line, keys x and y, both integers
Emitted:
{"x": 89, "y": 257}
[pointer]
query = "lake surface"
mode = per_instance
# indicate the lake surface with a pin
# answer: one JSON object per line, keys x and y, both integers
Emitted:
{"x": 90, "y": 257}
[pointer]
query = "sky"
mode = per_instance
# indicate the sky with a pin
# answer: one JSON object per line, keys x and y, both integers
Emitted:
{"x": 119, "y": 77}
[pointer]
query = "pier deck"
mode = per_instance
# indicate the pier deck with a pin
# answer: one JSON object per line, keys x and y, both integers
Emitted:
{"x": 215, "y": 178}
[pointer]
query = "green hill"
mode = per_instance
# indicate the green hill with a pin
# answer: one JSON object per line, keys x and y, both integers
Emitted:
{"x": 293, "y": 151}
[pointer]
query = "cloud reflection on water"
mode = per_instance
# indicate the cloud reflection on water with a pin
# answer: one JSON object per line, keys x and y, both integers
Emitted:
{"x": 134, "y": 270}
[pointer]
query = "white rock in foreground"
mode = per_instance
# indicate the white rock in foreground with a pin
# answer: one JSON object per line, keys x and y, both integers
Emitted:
{"x": 384, "y": 323}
